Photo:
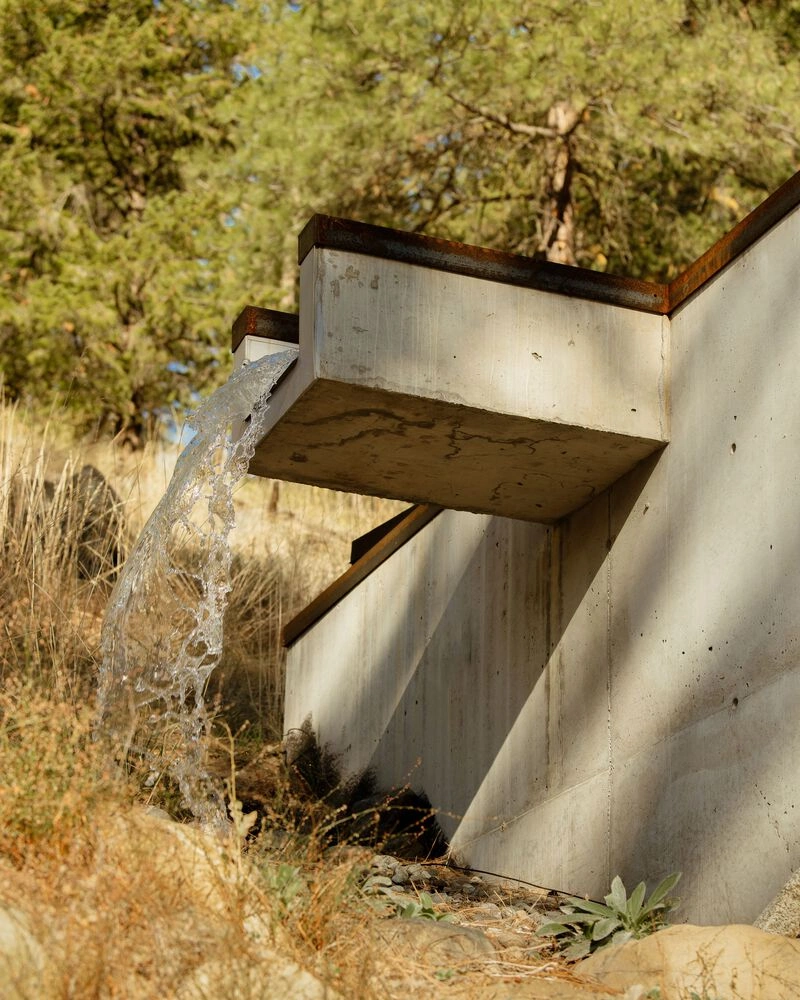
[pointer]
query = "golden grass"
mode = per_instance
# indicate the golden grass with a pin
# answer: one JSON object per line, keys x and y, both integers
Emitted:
{"x": 289, "y": 542}
{"x": 76, "y": 855}
{"x": 122, "y": 902}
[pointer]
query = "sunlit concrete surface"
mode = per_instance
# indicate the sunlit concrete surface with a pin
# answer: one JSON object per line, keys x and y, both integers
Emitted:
{"x": 423, "y": 385}
{"x": 618, "y": 693}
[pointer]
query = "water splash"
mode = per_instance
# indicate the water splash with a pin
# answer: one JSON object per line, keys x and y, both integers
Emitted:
{"x": 162, "y": 632}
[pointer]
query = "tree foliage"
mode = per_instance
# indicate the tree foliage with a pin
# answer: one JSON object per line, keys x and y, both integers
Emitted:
{"x": 159, "y": 157}
{"x": 110, "y": 113}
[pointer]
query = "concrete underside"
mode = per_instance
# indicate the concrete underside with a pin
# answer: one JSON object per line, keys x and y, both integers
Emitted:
{"x": 618, "y": 693}
{"x": 422, "y": 385}
{"x": 366, "y": 440}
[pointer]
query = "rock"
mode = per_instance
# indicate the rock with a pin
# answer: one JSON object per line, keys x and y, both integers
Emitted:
{"x": 100, "y": 524}
{"x": 560, "y": 988}
{"x": 488, "y": 911}
{"x": 782, "y": 916}
{"x": 714, "y": 962}
{"x": 272, "y": 975}
{"x": 383, "y": 864}
{"x": 202, "y": 867}
{"x": 400, "y": 876}
{"x": 418, "y": 873}
{"x": 436, "y": 943}
{"x": 21, "y": 957}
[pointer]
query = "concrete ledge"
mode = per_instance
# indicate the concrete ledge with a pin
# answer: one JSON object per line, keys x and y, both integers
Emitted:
{"x": 435, "y": 387}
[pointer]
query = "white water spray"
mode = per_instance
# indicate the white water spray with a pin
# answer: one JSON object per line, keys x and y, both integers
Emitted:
{"x": 162, "y": 633}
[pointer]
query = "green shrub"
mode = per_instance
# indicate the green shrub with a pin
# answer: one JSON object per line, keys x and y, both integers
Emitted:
{"x": 588, "y": 925}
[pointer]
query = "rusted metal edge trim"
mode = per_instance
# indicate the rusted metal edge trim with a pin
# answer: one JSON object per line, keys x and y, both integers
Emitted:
{"x": 331, "y": 233}
{"x": 740, "y": 238}
{"x": 415, "y": 520}
{"x": 361, "y": 545}
{"x": 513, "y": 269}
{"x": 253, "y": 321}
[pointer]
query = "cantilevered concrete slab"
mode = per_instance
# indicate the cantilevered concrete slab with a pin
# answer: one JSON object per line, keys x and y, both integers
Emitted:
{"x": 434, "y": 372}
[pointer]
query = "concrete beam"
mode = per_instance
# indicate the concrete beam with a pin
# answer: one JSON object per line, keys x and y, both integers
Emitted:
{"x": 431, "y": 386}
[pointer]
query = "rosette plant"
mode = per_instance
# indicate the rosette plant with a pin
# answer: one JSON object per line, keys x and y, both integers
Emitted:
{"x": 588, "y": 925}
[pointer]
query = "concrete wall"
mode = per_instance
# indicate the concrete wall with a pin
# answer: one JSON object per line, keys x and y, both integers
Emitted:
{"x": 619, "y": 693}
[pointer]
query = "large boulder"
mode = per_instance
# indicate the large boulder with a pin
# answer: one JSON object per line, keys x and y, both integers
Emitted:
{"x": 21, "y": 957}
{"x": 714, "y": 962}
{"x": 782, "y": 916}
{"x": 269, "y": 975}
{"x": 200, "y": 867}
{"x": 99, "y": 522}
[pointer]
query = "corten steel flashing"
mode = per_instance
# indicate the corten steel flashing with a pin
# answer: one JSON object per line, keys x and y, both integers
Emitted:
{"x": 330, "y": 234}
{"x": 324, "y": 231}
{"x": 734, "y": 243}
{"x": 266, "y": 323}
{"x": 429, "y": 251}
{"x": 402, "y": 530}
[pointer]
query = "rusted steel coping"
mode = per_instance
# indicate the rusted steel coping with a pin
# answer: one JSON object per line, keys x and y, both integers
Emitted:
{"x": 269, "y": 323}
{"x": 413, "y": 521}
{"x": 479, "y": 262}
{"x": 734, "y": 243}
{"x": 514, "y": 269}
{"x": 361, "y": 545}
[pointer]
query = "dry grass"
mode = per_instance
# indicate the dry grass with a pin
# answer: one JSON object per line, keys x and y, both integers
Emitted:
{"x": 289, "y": 542}
{"x": 125, "y": 903}
{"x": 117, "y": 915}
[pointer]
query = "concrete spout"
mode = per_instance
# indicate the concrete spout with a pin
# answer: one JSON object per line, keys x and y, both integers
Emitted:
{"x": 425, "y": 378}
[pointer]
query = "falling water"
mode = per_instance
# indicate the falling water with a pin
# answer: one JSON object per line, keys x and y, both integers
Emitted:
{"x": 162, "y": 633}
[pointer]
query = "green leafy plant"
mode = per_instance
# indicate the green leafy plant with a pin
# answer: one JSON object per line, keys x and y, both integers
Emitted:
{"x": 423, "y": 908}
{"x": 286, "y": 884}
{"x": 381, "y": 886}
{"x": 588, "y": 925}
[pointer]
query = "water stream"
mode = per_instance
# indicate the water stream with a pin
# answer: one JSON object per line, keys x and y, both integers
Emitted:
{"x": 162, "y": 632}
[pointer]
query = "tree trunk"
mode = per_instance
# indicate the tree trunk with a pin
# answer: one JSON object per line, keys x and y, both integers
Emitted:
{"x": 558, "y": 225}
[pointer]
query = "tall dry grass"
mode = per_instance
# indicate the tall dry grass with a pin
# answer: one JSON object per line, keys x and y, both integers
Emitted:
{"x": 62, "y": 540}
{"x": 79, "y": 860}
{"x": 114, "y": 899}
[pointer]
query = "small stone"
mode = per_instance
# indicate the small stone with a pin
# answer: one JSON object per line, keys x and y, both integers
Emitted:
{"x": 489, "y": 910}
{"x": 400, "y": 876}
{"x": 382, "y": 864}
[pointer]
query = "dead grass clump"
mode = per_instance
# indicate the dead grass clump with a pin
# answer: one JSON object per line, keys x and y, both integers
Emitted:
{"x": 62, "y": 537}
{"x": 248, "y": 684}
{"x": 54, "y": 775}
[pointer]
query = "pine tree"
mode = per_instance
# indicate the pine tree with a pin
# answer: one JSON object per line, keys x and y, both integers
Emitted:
{"x": 159, "y": 157}
{"x": 617, "y": 135}
{"x": 110, "y": 234}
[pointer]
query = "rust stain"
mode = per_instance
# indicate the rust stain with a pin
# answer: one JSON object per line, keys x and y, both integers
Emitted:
{"x": 253, "y": 321}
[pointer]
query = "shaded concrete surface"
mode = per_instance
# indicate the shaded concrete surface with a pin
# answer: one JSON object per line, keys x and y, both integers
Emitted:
{"x": 617, "y": 693}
